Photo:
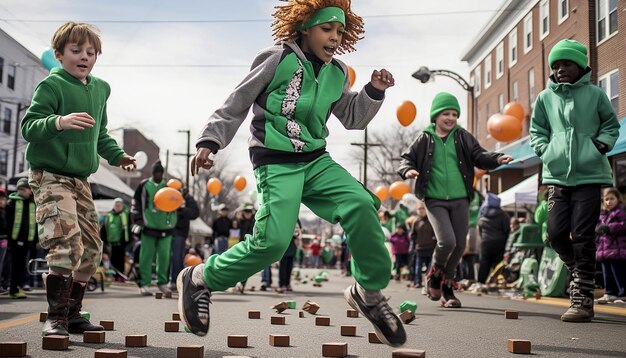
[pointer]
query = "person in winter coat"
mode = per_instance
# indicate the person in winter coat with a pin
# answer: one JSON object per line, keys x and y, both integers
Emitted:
{"x": 115, "y": 231}
{"x": 494, "y": 228}
{"x": 400, "y": 248}
{"x": 572, "y": 127}
{"x": 423, "y": 238}
{"x": 221, "y": 230}
{"x": 611, "y": 246}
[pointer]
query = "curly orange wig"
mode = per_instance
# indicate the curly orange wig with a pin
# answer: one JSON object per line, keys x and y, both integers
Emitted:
{"x": 288, "y": 17}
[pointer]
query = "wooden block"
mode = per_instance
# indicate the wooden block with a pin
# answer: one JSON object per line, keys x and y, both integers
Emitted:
{"x": 168, "y": 294}
{"x": 94, "y": 337}
{"x": 322, "y": 321}
{"x": 408, "y": 306}
{"x": 352, "y": 313}
{"x": 171, "y": 326}
{"x": 191, "y": 351}
{"x": 311, "y": 307}
{"x": 407, "y": 317}
{"x": 55, "y": 343}
{"x": 13, "y": 349}
{"x": 408, "y": 353}
{"x": 291, "y": 304}
{"x": 158, "y": 295}
{"x": 139, "y": 340}
{"x": 301, "y": 314}
{"x": 108, "y": 325}
{"x": 254, "y": 314}
{"x": 348, "y": 331}
{"x": 237, "y": 341}
{"x": 518, "y": 346}
{"x": 280, "y": 307}
{"x": 373, "y": 338}
{"x": 277, "y": 320}
{"x": 279, "y": 340}
{"x": 43, "y": 316}
{"x": 335, "y": 349}
{"x": 511, "y": 314}
{"x": 175, "y": 316}
{"x": 317, "y": 284}
{"x": 111, "y": 353}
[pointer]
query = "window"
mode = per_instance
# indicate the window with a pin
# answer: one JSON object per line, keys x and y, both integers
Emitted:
{"x": 607, "y": 18}
{"x": 528, "y": 33}
{"x": 500, "y": 102}
{"x": 4, "y": 161}
{"x": 563, "y": 10}
{"x": 609, "y": 83}
{"x": 544, "y": 18}
{"x": 531, "y": 88}
{"x": 478, "y": 82}
{"x": 513, "y": 47}
{"x": 1, "y": 69}
{"x": 11, "y": 76}
{"x": 515, "y": 92}
{"x": 500, "y": 60}
{"x": 6, "y": 120}
{"x": 488, "y": 71}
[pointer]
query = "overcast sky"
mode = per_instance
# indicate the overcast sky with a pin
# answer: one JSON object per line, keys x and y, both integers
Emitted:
{"x": 171, "y": 64}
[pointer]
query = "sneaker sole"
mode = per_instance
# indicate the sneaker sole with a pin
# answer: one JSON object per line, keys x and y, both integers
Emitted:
{"x": 181, "y": 310}
{"x": 355, "y": 306}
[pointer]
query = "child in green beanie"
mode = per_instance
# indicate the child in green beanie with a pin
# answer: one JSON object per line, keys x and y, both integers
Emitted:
{"x": 572, "y": 127}
{"x": 442, "y": 160}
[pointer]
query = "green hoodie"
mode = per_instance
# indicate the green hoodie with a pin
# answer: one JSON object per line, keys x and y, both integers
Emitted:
{"x": 71, "y": 153}
{"x": 567, "y": 118}
{"x": 446, "y": 181}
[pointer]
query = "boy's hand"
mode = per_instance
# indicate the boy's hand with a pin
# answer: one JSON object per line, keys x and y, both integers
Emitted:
{"x": 381, "y": 80}
{"x": 411, "y": 174}
{"x": 78, "y": 121}
{"x": 128, "y": 163}
{"x": 505, "y": 159}
{"x": 201, "y": 160}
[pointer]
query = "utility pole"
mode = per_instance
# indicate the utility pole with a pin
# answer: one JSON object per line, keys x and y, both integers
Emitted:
{"x": 365, "y": 145}
{"x": 187, "y": 155}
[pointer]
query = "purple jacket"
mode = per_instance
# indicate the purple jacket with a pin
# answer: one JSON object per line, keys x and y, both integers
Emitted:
{"x": 399, "y": 243}
{"x": 612, "y": 245}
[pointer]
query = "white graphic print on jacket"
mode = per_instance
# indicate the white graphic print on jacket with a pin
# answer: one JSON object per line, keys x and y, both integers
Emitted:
{"x": 288, "y": 109}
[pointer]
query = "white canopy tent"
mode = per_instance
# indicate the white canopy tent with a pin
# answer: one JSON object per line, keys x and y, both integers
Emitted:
{"x": 522, "y": 194}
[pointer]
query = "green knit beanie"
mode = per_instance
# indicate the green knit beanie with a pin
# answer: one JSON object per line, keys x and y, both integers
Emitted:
{"x": 441, "y": 102}
{"x": 571, "y": 50}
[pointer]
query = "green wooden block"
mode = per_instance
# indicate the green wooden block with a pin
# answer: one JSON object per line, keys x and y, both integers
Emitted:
{"x": 408, "y": 306}
{"x": 304, "y": 282}
{"x": 85, "y": 314}
{"x": 319, "y": 279}
{"x": 292, "y": 304}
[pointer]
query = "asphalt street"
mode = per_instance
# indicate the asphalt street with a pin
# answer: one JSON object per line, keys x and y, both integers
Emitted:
{"x": 479, "y": 329}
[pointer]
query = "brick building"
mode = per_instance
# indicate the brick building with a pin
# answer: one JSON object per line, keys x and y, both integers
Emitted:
{"x": 508, "y": 62}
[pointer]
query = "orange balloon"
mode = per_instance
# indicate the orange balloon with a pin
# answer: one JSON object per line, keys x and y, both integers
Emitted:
{"x": 174, "y": 183}
{"x": 398, "y": 189}
{"x": 168, "y": 199}
{"x": 504, "y": 128}
{"x": 382, "y": 192}
{"x": 240, "y": 183}
{"x": 192, "y": 260}
{"x": 514, "y": 109}
{"x": 214, "y": 186}
{"x": 351, "y": 76}
{"x": 406, "y": 113}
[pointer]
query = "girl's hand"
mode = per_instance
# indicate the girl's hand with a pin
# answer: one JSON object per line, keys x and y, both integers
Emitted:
{"x": 381, "y": 80}
{"x": 128, "y": 163}
{"x": 505, "y": 159}
{"x": 411, "y": 174}
{"x": 78, "y": 121}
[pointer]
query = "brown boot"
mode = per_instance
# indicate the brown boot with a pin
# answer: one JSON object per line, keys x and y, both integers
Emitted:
{"x": 75, "y": 322}
{"x": 581, "y": 308}
{"x": 58, "y": 294}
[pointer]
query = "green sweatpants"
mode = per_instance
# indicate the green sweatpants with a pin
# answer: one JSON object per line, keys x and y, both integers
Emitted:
{"x": 163, "y": 248}
{"x": 331, "y": 193}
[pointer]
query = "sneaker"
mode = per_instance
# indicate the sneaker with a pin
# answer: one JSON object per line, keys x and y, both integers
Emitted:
{"x": 240, "y": 287}
{"x": 144, "y": 291}
{"x": 263, "y": 287}
{"x": 163, "y": 288}
{"x": 279, "y": 290}
{"x": 19, "y": 295}
{"x": 448, "y": 300}
{"x": 172, "y": 286}
{"x": 288, "y": 288}
{"x": 27, "y": 288}
{"x": 425, "y": 291}
{"x": 434, "y": 280}
{"x": 607, "y": 299}
{"x": 387, "y": 324}
{"x": 193, "y": 300}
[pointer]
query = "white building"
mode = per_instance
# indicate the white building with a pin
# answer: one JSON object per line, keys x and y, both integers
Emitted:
{"x": 20, "y": 72}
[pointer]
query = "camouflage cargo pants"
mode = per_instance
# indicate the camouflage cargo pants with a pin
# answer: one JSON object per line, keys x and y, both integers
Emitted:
{"x": 67, "y": 221}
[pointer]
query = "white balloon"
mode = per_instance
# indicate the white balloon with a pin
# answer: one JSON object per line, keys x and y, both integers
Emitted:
{"x": 141, "y": 159}
{"x": 410, "y": 201}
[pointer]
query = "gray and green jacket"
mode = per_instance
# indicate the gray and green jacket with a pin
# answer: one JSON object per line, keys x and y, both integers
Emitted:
{"x": 292, "y": 98}
{"x": 572, "y": 127}
{"x": 71, "y": 153}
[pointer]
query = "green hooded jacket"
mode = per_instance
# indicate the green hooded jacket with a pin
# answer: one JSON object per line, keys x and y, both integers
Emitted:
{"x": 566, "y": 120}
{"x": 446, "y": 180}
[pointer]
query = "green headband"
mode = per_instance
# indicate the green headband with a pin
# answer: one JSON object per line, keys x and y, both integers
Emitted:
{"x": 322, "y": 16}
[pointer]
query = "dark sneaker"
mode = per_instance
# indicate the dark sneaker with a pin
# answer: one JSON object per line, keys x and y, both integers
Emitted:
{"x": 434, "y": 281}
{"x": 387, "y": 324}
{"x": 448, "y": 299}
{"x": 581, "y": 307}
{"x": 193, "y": 301}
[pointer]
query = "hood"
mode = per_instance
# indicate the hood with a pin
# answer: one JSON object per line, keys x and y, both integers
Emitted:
{"x": 431, "y": 129}
{"x": 15, "y": 196}
{"x": 491, "y": 201}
